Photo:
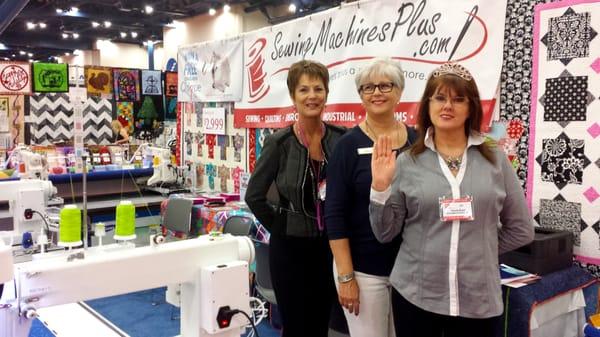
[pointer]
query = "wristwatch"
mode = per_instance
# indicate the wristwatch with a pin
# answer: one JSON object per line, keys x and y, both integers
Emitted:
{"x": 346, "y": 277}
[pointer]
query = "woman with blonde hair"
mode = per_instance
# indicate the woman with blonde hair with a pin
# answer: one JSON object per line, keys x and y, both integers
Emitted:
{"x": 120, "y": 134}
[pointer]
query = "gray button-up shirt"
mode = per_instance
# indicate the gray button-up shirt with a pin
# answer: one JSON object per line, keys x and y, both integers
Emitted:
{"x": 451, "y": 267}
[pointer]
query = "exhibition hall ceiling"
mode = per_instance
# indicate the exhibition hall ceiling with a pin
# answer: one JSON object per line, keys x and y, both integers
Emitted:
{"x": 41, "y": 30}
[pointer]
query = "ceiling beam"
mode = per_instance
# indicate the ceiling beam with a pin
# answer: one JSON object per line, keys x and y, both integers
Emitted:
{"x": 44, "y": 41}
{"x": 10, "y": 9}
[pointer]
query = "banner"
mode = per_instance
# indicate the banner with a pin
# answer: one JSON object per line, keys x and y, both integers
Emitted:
{"x": 211, "y": 71}
{"x": 50, "y": 77}
{"x": 98, "y": 80}
{"x": 15, "y": 78}
{"x": 127, "y": 84}
{"x": 151, "y": 82}
{"x": 420, "y": 34}
{"x": 563, "y": 185}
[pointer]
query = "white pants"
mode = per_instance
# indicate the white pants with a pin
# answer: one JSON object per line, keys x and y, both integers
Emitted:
{"x": 375, "y": 312}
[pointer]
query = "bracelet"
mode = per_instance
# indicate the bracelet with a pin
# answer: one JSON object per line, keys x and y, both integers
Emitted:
{"x": 346, "y": 277}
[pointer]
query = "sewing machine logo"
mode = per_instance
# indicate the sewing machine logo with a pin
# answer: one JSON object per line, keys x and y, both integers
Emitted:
{"x": 14, "y": 78}
{"x": 257, "y": 88}
{"x": 51, "y": 78}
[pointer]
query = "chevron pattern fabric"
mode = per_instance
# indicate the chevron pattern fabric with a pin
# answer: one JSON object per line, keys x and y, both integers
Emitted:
{"x": 51, "y": 118}
{"x": 97, "y": 115}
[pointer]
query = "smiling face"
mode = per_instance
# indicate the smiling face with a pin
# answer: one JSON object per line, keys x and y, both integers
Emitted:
{"x": 309, "y": 96}
{"x": 374, "y": 100}
{"x": 448, "y": 111}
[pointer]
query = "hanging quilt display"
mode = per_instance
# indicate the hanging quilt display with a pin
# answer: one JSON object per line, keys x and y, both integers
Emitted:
{"x": 50, "y": 77}
{"x": 151, "y": 82}
{"x": 170, "y": 84}
{"x": 564, "y": 148}
{"x": 15, "y": 78}
{"x": 98, "y": 80}
{"x": 127, "y": 84}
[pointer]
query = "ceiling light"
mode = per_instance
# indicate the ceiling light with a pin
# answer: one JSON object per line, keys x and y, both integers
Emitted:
{"x": 30, "y": 54}
{"x": 74, "y": 9}
{"x": 292, "y": 8}
{"x": 31, "y": 60}
{"x": 3, "y": 46}
{"x": 65, "y": 35}
{"x": 30, "y": 25}
{"x": 212, "y": 11}
{"x": 42, "y": 25}
{"x": 22, "y": 52}
{"x": 75, "y": 35}
{"x": 6, "y": 59}
{"x": 226, "y": 8}
{"x": 148, "y": 9}
{"x": 67, "y": 54}
{"x": 95, "y": 24}
{"x": 77, "y": 52}
{"x": 134, "y": 34}
{"x": 123, "y": 34}
{"x": 13, "y": 55}
{"x": 107, "y": 24}
{"x": 59, "y": 11}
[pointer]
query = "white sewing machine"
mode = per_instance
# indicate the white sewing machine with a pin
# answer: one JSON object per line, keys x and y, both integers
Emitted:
{"x": 26, "y": 194}
{"x": 34, "y": 164}
{"x": 164, "y": 171}
{"x": 213, "y": 272}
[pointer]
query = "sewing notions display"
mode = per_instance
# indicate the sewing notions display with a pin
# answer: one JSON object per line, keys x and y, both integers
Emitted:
{"x": 125, "y": 221}
{"x": 69, "y": 230}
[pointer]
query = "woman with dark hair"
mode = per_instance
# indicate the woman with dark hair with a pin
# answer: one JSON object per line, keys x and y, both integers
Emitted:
{"x": 458, "y": 204}
{"x": 293, "y": 161}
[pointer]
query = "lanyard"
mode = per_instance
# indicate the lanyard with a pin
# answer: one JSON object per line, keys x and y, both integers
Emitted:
{"x": 316, "y": 169}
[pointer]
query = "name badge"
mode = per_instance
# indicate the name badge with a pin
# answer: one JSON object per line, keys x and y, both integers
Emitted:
{"x": 456, "y": 209}
{"x": 365, "y": 150}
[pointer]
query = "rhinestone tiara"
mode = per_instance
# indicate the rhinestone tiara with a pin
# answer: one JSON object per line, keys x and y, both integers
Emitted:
{"x": 452, "y": 69}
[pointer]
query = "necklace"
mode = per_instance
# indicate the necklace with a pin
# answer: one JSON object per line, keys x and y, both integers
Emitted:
{"x": 453, "y": 163}
{"x": 374, "y": 135}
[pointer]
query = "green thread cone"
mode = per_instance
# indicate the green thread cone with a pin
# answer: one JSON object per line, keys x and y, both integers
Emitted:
{"x": 69, "y": 231}
{"x": 125, "y": 221}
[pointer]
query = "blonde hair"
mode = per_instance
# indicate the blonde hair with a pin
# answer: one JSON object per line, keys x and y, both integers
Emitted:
{"x": 116, "y": 126}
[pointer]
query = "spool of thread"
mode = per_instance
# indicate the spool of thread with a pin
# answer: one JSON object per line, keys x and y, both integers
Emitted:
{"x": 69, "y": 230}
{"x": 125, "y": 221}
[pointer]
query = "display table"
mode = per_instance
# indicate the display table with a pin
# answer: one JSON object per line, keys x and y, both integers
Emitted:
{"x": 555, "y": 306}
{"x": 70, "y": 185}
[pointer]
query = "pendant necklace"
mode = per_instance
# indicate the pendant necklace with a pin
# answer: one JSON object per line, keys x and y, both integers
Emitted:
{"x": 369, "y": 130}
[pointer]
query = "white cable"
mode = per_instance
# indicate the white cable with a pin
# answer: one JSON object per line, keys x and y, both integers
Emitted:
{"x": 259, "y": 312}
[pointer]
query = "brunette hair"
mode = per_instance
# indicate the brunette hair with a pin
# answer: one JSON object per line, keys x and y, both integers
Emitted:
{"x": 306, "y": 67}
{"x": 463, "y": 86}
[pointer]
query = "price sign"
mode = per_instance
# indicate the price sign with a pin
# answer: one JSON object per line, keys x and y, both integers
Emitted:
{"x": 213, "y": 121}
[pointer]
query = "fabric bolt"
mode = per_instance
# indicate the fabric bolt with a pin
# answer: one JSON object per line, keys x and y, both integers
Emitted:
{"x": 515, "y": 129}
{"x": 238, "y": 145}
{"x": 566, "y": 99}
{"x": 375, "y": 316}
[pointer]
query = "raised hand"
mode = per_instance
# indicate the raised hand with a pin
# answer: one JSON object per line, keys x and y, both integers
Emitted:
{"x": 383, "y": 163}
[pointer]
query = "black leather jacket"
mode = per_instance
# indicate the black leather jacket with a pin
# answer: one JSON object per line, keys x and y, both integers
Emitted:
{"x": 283, "y": 163}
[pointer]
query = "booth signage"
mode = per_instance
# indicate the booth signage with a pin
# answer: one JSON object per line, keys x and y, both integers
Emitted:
{"x": 420, "y": 34}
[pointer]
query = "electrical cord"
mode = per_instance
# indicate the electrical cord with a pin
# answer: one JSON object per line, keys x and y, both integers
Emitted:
{"x": 237, "y": 311}
{"x": 43, "y": 218}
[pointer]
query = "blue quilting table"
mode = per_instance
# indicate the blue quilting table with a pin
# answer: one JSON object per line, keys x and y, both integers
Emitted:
{"x": 521, "y": 304}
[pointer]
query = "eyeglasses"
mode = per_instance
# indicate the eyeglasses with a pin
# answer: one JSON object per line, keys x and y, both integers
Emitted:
{"x": 456, "y": 100}
{"x": 369, "y": 88}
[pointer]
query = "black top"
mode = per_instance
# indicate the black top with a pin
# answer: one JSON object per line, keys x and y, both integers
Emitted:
{"x": 347, "y": 203}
